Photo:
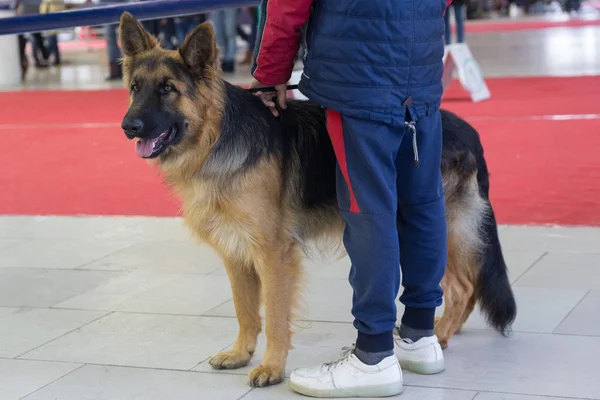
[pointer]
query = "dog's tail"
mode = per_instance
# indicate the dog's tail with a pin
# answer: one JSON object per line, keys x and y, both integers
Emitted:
{"x": 494, "y": 292}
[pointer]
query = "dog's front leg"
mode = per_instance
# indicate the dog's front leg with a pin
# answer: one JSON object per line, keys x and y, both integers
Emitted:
{"x": 245, "y": 286}
{"x": 279, "y": 270}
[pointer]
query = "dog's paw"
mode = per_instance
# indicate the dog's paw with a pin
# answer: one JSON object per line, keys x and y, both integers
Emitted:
{"x": 230, "y": 360}
{"x": 443, "y": 343}
{"x": 263, "y": 376}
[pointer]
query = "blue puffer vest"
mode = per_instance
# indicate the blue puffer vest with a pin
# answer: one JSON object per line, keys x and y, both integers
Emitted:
{"x": 373, "y": 58}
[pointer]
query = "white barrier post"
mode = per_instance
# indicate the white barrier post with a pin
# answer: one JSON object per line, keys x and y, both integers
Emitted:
{"x": 10, "y": 66}
{"x": 458, "y": 57}
{"x": 294, "y": 80}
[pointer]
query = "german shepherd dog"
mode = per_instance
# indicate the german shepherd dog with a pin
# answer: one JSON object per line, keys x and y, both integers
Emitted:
{"x": 258, "y": 190}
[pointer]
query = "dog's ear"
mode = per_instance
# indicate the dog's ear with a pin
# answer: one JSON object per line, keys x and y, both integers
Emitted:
{"x": 134, "y": 39}
{"x": 199, "y": 49}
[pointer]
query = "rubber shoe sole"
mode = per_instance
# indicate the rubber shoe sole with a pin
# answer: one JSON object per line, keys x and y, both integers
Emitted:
{"x": 423, "y": 368}
{"x": 385, "y": 390}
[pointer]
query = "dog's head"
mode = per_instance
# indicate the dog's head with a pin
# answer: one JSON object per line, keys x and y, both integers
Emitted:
{"x": 169, "y": 90}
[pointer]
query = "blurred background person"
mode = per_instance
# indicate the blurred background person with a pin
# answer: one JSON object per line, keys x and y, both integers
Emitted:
{"x": 166, "y": 33}
{"x": 249, "y": 38}
{"x": 39, "y": 50}
{"x": 184, "y": 25}
{"x": 225, "y": 25}
{"x": 459, "y": 9}
{"x": 113, "y": 52}
{"x": 50, "y": 6}
{"x": 112, "y": 49}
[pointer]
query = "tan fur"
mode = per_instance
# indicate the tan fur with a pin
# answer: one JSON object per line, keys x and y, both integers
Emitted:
{"x": 255, "y": 228}
{"x": 464, "y": 247}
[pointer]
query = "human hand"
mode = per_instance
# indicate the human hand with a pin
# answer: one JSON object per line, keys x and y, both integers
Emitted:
{"x": 268, "y": 98}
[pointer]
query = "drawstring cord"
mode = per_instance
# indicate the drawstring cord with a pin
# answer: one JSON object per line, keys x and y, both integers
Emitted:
{"x": 412, "y": 128}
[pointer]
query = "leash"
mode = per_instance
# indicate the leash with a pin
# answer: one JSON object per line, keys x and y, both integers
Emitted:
{"x": 270, "y": 89}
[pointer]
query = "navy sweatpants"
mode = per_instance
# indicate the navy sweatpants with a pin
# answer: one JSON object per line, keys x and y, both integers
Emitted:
{"x": 395, "y": 217}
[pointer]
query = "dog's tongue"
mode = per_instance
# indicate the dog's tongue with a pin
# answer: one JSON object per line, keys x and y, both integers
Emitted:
{"x": 144, "y": 148}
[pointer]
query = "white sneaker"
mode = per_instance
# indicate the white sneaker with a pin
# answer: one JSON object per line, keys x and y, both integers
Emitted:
{"x": 421, "y": 357}
{"x": 349, "y": 377}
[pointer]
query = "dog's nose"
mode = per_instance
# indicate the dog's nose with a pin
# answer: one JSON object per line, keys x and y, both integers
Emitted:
{"x": 132, "y": 126}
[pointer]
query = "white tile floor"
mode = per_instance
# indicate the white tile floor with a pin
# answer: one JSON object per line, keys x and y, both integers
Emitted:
{"x": 115, "y": 308}
{"x": 101, "y": 308}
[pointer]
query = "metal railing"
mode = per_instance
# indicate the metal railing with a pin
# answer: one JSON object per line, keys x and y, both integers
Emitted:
{"x": 105, "y": 15}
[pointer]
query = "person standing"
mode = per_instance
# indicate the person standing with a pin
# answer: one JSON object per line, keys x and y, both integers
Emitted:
{"x": 50, "y": 6}
{"x": 114, "y": 53}
{"x": 376, "y": 67}
{"x": 115, "y": 73}
{"x": 184, "y": 25}
{"x": 251, "y": 38}
{"x": 38, "y": 48}
{"x": 225, "y": 24}
{"x": 459, "y": 17}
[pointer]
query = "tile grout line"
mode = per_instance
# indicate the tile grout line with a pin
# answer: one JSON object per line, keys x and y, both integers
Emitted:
{"x": 57, "y": 308}
{"x": 50, "y": 383}
{"x": 480, "y": 391}
{"x": 247, "y": 393}
{"x": 540, "y": 258}
{"x": 216, "y": 372}
{"x": 491, "y": 330}
{"x": 477, "y": 392}
{"x": 217, "y": 306}
{"x": 209, "y": 357}
{"x": 12, "y": 246}
{"x": 43, "y": 269}
{"x": 214, "y": 270}
{"x": 54, "y": 308}
{"x": 63, "y": 335}
{"x": 572, "y": 309}
{"x": 35, "y": 360}
{"x": 81, "y": 266}
{"x": 122, "y": 271}
{"x": 574, "y": 335}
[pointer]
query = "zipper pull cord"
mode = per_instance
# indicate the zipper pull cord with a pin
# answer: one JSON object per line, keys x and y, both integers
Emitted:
{"x": 412, "y": 128}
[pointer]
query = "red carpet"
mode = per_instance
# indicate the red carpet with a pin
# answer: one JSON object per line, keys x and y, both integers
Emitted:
{"x": 65, "y": 153}
{"x": 525, "y": 25}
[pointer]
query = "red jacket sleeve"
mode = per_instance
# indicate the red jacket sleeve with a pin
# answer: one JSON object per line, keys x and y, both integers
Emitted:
{"x": 280, "y": 40}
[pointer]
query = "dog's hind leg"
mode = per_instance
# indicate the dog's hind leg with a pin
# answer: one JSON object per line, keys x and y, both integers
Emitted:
{"x": 245, "y": 286}
{"x": 279, "y": 272}
{"x": 468, "y": 310}
{"x": 458, "y": 290}
{"x": 465, "y": 210}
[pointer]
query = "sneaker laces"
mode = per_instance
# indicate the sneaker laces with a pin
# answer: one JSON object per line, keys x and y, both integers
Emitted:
{"x": 347, "y": 351}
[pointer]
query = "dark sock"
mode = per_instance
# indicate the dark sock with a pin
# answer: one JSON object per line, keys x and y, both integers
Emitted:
{"x": 372, "y": 358}
{"x": 406, "y": 332}
{"x": 371, "y": 349}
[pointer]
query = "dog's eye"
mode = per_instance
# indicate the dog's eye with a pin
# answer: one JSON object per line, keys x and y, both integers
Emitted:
{"x": 135, "y": 87}
{"x": 167, "y": 88}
